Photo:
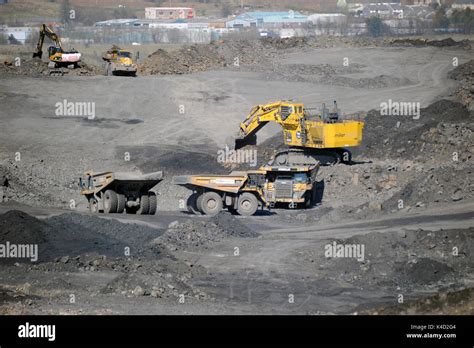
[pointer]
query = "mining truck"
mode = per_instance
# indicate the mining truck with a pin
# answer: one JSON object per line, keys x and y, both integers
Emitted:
{"x": 110, "y": 192}
{"x": 244, "y": 192}
{"x": 119, "y": 62}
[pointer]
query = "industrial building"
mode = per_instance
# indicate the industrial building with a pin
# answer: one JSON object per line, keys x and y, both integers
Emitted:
{"x": 268, "y": 19}
{"x": 169, "y": 13}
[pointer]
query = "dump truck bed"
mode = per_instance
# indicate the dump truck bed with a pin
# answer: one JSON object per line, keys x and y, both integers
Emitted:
{"x": 96, "y": 182}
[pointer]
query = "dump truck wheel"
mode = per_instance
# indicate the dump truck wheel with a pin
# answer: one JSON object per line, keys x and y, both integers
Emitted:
{"x": 152, "y": 203}
{"x": 308, "y": 199}
{"x": 191, "y": 204}
{"x": 110, "y": 202}
{"x": 211, "y": 203}
{"x": 199, "y": 203}
{"x": 120, "y": 203}
{"x": 247, "y": 204}
{"x": 144, "y": 205}
{"x": 93, "y": 205}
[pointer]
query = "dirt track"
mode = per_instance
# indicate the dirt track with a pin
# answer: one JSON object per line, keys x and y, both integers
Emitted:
{"x": 177, "y": 124}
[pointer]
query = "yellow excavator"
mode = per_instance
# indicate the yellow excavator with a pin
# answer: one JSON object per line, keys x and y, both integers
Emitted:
{"x": 58, "y": 57}
{"x": 319, "y": 138}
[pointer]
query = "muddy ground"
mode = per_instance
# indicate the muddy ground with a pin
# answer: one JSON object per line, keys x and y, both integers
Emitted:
{"x": 408, "y": 196}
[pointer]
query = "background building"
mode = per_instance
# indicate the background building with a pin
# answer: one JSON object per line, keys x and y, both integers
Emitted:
{"x": 268, "y": 19}
{"x": 169, "y": 13}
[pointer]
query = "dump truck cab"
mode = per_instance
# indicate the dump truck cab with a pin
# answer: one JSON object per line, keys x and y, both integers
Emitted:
{"x": 245, "y": 191}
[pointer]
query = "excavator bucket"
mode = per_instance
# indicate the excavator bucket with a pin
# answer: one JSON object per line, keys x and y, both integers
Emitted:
{"x": 242, "y": 142}
{"x": 38, "y": 54}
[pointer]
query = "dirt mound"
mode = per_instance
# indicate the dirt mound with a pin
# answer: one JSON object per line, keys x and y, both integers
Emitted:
{"x": 73, "y": 234}
{"x": 20, "y": 228}
{"x": 443, "y": 126}
{"x": 449, "y": 42}
{"x": 37, "y": 68}
{"x": 465, "y": 75}
{"x": 294, "y": 42}
{"x": 434, "y": 186}
{"x": 447, "y": 302}
{"x": 187, "y": 60}
{"x": 82, "y": 243}
{"x": 198, "y": 234}
{"x": 405, "y": 260}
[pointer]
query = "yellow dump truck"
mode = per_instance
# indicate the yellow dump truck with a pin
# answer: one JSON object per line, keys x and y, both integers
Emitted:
{"x": 245, "y": 191}
{"x": 111, "y": 192}
{"x": 321, "y": 137}
{"x": 119, "y": 62}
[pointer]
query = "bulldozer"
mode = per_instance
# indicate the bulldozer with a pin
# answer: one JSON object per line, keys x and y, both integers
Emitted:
{"x": 319, "y": 138}
{"x": 119, "y": 62}
{"x": 243, "y": 192}
{"x": 58, "y": 57}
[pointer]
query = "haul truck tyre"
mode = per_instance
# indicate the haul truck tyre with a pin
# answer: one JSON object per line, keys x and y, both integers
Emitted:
{"x": 152, "y": 203}
{"x": 199, "y": 203}
{"x": 93, "y": 205}
{"x": 247, "y": 204}
{"x": 211, "y": 203}
{"x": 120, "y": 203}
{"x": 110, "y": 202}
{"x": 191, "y": 204}
{"x": 144, "y": 205}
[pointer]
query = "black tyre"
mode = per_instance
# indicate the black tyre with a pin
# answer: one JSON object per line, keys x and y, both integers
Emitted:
{"x": 93, "y": 205}
{"x": 308, "y": 199}
{"x": 191, "y": 204}
{"x": 110, "y": 202}
{"x": 144, "y": 205}
{"x": 152, "y": 203}
{"x": 247, "y": 204}
{"x": 120, "y": 203}
{"x": 199, "y": 203}
{"x": 211, "y": 203}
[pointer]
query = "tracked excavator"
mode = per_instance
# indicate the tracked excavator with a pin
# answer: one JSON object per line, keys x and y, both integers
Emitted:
{"x": 311, "y": 138}
{"x": 58, "y": 57}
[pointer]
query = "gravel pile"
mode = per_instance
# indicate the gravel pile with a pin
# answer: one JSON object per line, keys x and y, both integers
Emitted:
{"x": 465, "y": 75}
{"x": 403, "y": 260}
{"x": 203, "y": 234}
{"x": 35, "y": 67}
{"x": 448, "y": 42}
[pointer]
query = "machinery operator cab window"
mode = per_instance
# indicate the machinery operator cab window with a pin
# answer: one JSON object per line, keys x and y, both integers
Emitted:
{"x": 125, "y": 54}
{"x": 300, "y": 178}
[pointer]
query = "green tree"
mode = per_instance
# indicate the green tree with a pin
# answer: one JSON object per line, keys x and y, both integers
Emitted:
{"x": 375, "y": 26}
{"x": 440, "y": 19}
{"x": 226, "y": 10}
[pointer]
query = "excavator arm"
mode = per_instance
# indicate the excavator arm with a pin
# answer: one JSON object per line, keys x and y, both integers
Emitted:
{"x": 258, "y": 117}
{"x": 46, "y": 31}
